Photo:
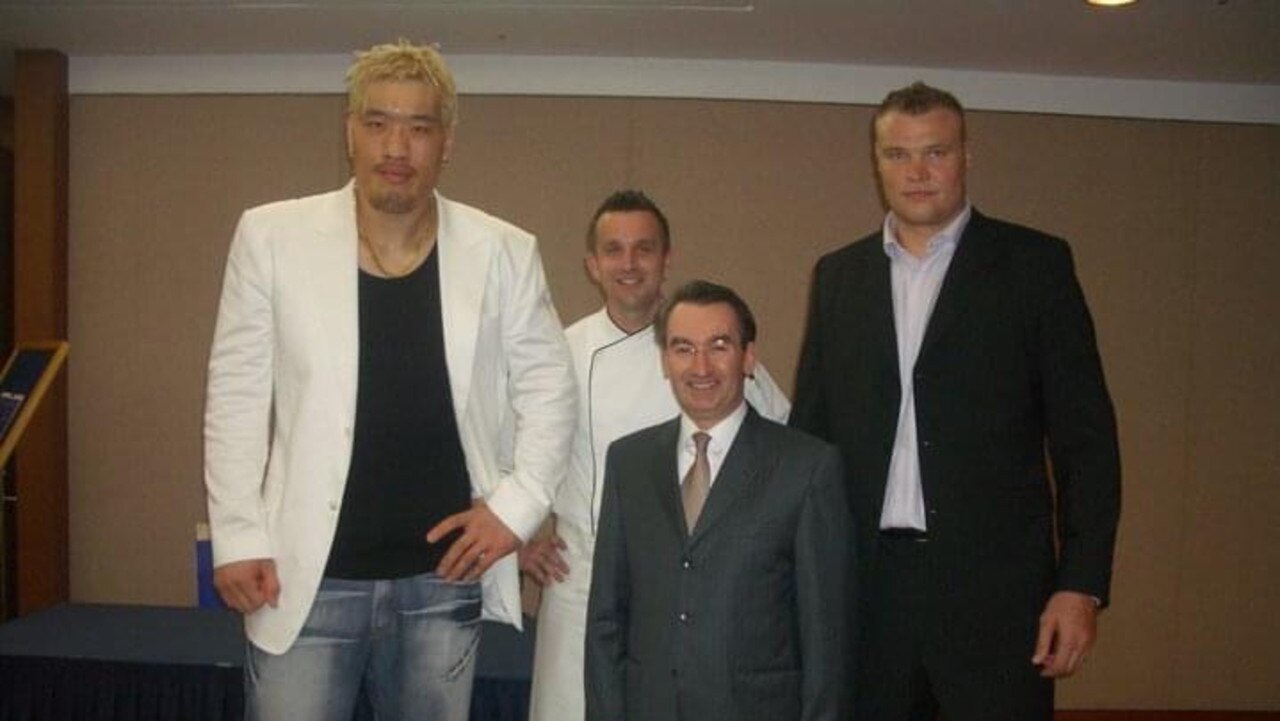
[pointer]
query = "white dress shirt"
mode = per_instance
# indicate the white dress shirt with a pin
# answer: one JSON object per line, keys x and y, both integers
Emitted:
{"x": 916, "y": 283}
{"x": 722, "y": 435}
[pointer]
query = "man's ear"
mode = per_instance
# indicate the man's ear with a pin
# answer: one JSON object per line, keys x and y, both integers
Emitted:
{"x": 447, "y": 154}
{"x": 349, "y": 129}
{"x": 593, "y": 268}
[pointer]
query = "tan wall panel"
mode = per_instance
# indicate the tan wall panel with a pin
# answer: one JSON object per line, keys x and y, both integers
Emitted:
{"x": 755, "y": 192}
{"x": 157, "y": 186}
{"x": 1168, "y": 222}
{"x": 1227, "y": 555}
{"x": 545, "y": 164}
{"x": 1119, "y": 192}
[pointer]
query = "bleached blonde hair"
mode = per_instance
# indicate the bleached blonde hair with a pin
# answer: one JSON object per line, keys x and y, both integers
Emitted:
{"x": 402, "y": 60}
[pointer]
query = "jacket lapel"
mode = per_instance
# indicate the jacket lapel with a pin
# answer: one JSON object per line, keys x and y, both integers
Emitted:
{"x": 665, "y": 475}
{"x": 738, "y": 473}
{"x": 878, "y": 309}
{"x": 974, "y": 255}
{"x": 333, "y": 272}
{"x": 864, "y": 302}
{"x": 464, "y": 270}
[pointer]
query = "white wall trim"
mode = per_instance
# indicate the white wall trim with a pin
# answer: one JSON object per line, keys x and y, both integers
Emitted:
{"x": 713, "y": 79}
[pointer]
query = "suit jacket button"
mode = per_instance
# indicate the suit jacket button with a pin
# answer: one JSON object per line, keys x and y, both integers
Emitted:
{"x": 684, "y": 617}
{"x": 686, "y": 564}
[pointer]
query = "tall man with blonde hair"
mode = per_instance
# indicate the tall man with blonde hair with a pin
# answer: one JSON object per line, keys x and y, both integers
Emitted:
{"x": 390, "y": 408}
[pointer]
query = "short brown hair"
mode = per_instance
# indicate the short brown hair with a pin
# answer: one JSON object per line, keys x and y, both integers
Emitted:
{"x": 702, "y": 292}
{"x": 629, "y": 201}
{"x": 402, "y": 60}
{"x": 918, "y": 99}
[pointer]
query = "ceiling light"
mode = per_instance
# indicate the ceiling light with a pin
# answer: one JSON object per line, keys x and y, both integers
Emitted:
{"x": 1110, "y": 3}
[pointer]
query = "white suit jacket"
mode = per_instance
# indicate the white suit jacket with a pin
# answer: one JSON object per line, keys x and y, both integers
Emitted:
{"x": 281, "y": 404}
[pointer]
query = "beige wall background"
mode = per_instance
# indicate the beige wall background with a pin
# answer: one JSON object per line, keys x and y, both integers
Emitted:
{"x": 1174, "y": 226}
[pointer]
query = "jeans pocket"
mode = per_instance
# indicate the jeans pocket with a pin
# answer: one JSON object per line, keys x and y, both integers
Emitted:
{"x": 444, "y": 628}
{"x": 337, "y": 616}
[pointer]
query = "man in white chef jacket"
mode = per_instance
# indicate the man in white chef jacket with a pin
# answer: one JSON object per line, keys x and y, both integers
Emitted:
{"x": 622, "y": 389}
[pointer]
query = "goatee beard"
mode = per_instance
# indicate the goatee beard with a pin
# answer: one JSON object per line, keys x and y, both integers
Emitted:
{"x": 393, "y": 203}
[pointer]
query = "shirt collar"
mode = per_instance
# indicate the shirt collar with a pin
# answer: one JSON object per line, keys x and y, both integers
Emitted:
{"x": 610, "y": 333}
{"x": 946, "y": 239}
{"x": 617, "y": 329}
{"x": 722, "y": 433}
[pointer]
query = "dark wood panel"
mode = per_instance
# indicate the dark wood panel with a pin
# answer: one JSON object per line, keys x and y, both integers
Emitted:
{"x": 7, "y": 601}
{"x": 40, "y": 153}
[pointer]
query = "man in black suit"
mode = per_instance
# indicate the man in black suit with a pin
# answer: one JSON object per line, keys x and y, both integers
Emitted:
{"x": 721, "y": 584}
{"x": 944, "y": 355}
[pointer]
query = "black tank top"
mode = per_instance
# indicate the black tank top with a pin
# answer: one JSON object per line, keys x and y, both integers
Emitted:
{"x": 407, "y": 467}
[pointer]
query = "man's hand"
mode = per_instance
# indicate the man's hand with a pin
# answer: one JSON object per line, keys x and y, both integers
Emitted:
{"x": 485, "y": 539}
{"x": 541, "y": 559}
{"x": 1068, "y": 628}
{"x": 246, "y": 585}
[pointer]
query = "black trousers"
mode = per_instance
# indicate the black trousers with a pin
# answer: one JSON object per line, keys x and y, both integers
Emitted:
{"x": 926, "y": 648}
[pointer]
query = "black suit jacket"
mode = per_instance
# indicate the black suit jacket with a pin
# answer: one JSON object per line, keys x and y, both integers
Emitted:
{"x": 1008, "y": 365}
{"x": 747, "y": 617}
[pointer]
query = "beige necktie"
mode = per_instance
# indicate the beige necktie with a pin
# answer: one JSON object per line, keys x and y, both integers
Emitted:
{"x": 697, "y": 482}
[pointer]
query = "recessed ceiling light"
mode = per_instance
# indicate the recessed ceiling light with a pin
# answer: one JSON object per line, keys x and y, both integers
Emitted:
{"x": 1110, "y": 3}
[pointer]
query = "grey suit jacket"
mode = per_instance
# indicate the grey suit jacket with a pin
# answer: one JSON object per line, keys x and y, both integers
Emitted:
{"x": 746, "y": 618}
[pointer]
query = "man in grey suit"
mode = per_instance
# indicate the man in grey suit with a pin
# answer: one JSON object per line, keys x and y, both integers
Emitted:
{"x": 721, "y": 587}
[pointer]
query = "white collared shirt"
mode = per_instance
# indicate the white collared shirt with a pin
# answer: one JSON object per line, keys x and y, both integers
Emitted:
{"x": 916, "y": 284}
{"x": 722, "y": 435}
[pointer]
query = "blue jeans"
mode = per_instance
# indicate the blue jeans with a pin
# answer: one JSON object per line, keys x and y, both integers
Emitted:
{"x": 410, "y": 641}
